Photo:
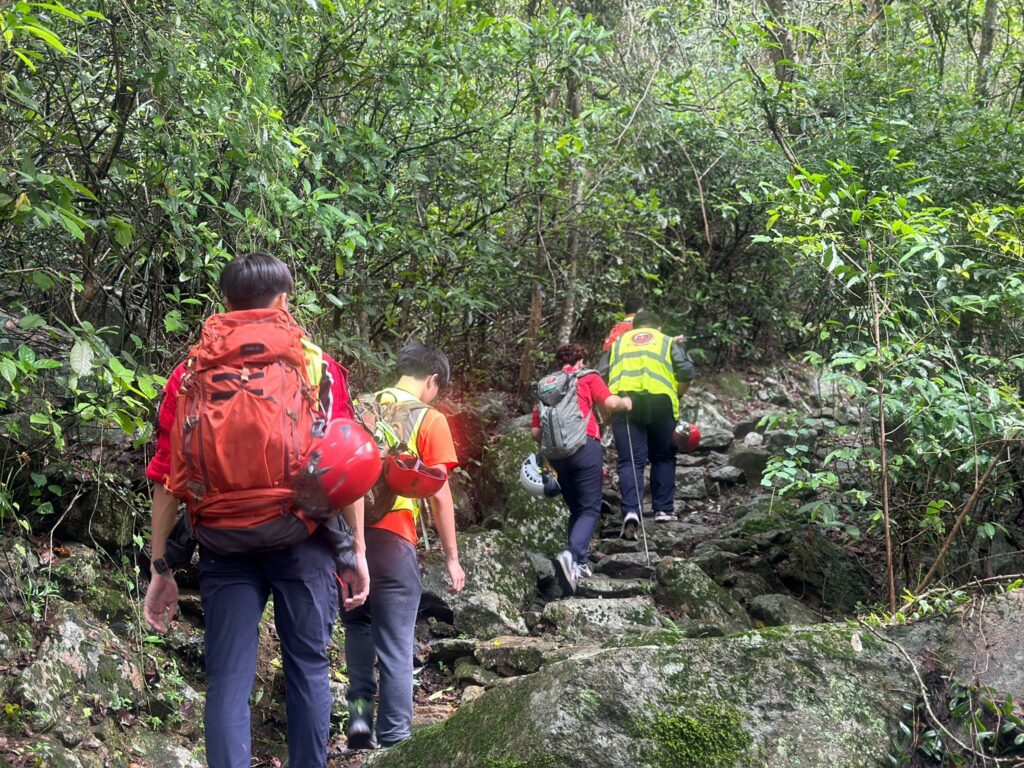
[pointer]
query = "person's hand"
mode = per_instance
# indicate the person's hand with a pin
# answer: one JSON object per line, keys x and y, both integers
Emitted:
{"x": 680, "y": 339}
{"x": 455, "y": 574}
{"x": 161, "y": 601}
{"x": 355, "y": 584}
{"x": 627, "y": 403}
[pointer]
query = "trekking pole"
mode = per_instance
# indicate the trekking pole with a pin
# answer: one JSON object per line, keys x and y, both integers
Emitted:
{"x": 424, "y": 506}
{"x": 639, "y": 489}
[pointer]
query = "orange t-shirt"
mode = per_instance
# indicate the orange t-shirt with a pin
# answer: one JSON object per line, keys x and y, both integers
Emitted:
{"x": 435, "y": 447}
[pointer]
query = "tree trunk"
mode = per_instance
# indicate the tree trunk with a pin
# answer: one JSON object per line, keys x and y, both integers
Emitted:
{"x": 572, "y": 245}
{"x": 988, "y": 34}
{"x": 530, "y": 344}
{"x": 536, "y": 293}
{"x": 783, "y": 53}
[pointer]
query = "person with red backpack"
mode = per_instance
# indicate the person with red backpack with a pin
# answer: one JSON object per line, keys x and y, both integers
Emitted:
{"x": 565, "y": 427}
{"x": 237, "y": 423}
{"x": 382, "y": 630}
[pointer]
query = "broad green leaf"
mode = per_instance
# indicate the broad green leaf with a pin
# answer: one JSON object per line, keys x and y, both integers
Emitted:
{"x": 81, "y": 357}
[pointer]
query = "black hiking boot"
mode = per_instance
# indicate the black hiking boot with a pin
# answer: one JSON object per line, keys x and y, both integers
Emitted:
{"x": 359, "y": 733}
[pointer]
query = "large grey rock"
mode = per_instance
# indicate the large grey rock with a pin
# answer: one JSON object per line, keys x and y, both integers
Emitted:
{"x": 627, "y": 565}
{"x": 677, "y": 536}
{"x": 685, "y": 591}
{"x": 715, "y": 437}
{"x": 597, "y": 587}
{"x": 500, "y": 582}
{"x": 783, "y": 698}
{"x": 80, "y": 682}
{"x": 81, "y": 658}
{"x": 511, "y": 656}
{"x": 594, "y": 620}
{"x": 986, "y": 647}
{"x": 539, "y": 524}
{"x": 690, "y": 483}
{"x": 708, "y": 417}
{"x": 776, "y": 610}
{"x": 728, "y": 475}
{"x": 751, "y": 461}
{"x": 821, "y": 569}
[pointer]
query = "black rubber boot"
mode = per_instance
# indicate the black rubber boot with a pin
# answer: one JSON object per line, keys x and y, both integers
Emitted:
{"x": 359, "y": 732}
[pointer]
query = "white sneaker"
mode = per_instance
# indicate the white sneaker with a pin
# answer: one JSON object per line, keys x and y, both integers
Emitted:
{"x": 664, "y": 517}
{"x": 565, "y": 567}
{"x": 629, "y": 525}
{"x": 583, "y": 571}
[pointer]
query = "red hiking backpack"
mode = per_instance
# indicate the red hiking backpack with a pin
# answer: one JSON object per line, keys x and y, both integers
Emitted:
{"x": 246, "y": 419}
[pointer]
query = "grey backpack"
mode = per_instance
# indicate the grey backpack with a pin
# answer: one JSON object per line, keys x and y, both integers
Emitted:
{"x": 563, "y": 426}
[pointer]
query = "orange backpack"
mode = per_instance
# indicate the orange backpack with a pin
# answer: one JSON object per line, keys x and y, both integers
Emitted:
{"x": 245, "y": 422}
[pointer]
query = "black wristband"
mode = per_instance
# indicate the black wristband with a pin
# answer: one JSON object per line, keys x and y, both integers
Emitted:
{"x": 160, "y": 565}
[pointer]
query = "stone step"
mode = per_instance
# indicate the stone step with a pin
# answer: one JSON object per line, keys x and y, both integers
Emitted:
{"x": 606, "y": 587}
{"x": 627, "y": 565}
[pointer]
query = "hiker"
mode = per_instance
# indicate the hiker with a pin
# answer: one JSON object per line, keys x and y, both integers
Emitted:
{"x": 632, "y": 305}
{"x": 570, "y": 440}
{"x": 652, "y": 369}
{"x": 252, "y": 542}
{"x": 382, "y": 629}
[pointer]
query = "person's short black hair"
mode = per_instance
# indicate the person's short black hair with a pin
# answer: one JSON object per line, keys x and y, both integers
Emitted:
{"x": 570, "y": 354}
{"x": 254, "y": 280}
{"x": 633, "y": 304}
{"x": 647, "y": 319}
{"x": 420, "y": 361}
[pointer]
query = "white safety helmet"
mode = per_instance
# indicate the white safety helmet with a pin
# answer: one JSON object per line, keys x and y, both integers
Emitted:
{"x": 530, "y": 476}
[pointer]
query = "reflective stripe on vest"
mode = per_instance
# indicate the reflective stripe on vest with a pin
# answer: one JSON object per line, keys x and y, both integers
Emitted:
{"x": 641, "y": 361}
{"x": 395, "y": 395}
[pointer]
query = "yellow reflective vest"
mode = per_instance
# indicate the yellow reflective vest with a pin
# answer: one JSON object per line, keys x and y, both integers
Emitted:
{"x": 411, "y": 430}
{"x": 641, "y": 361}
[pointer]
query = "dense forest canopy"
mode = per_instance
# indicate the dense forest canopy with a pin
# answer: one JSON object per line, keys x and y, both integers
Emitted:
{"x": 841, "y": 180}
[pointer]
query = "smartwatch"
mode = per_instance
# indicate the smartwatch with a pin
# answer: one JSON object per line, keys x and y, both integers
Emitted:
{"x": 160, "y": 565}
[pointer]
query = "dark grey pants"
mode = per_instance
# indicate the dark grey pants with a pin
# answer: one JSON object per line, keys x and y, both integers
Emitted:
{"x": 383, "y": 629}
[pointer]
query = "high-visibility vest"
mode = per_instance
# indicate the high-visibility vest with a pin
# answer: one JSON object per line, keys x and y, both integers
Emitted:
{"x": 641, "y": 361}
{"x": 411, "y": 432}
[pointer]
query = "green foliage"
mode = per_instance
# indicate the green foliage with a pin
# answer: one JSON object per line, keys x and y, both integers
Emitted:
{"x": 424, "y": 168}
{"x": 929, "y": 296}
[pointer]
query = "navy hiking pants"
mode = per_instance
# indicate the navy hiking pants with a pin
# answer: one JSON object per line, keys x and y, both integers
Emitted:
{"x": 383, "y": 629}
{"x": 648, "y": 429}
{"x": 580, "y": 477}
{"x": 234, "y": 592}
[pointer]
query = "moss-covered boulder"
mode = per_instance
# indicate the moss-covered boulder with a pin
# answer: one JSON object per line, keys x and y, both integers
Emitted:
{"x": 628, "y": 565}
{"x": 596, "y": 620}
{"x": 500, "y": 582}
{"x": 686, "y": 592}
{"x": 783, "y": 698}
{"x": 512, "y": 656}
{"x": 818, "y": 567}
{"x": 775, "y": 610}
{"x": 599, "y": 587}
{"x": 92, "y": 696}
{"x": 79, "y": 663}
{"x": 538, "y": 524}
{"x": 986, "y": 646}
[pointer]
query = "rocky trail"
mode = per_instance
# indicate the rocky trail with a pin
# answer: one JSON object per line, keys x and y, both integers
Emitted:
{"x": 733, "y": 641}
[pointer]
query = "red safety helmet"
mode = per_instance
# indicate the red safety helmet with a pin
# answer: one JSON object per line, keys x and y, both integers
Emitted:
{"x": 344, "y": 463}
{"x": 685, "y": 437}
{"x": 408, "y": 476}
